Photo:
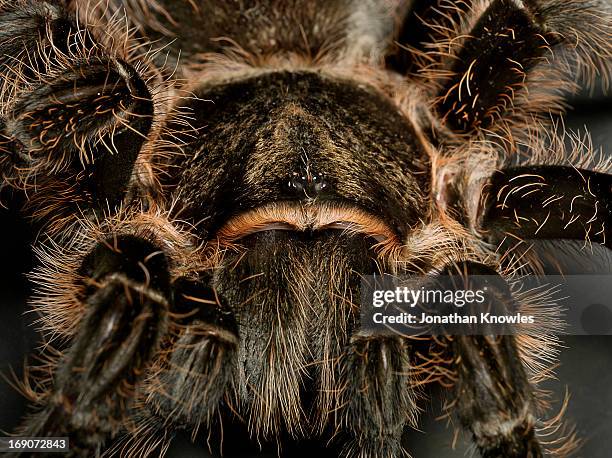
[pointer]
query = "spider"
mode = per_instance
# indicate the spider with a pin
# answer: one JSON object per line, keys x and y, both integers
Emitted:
{"x": 210, "y": 180}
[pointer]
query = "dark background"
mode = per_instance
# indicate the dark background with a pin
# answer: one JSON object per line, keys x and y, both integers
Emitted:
{"x": 586, "y": 362}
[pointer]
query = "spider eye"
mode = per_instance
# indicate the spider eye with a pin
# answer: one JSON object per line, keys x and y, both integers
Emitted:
{"x": 307, "y": 184}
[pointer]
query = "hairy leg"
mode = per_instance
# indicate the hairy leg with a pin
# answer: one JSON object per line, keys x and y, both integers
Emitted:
{"x": 73, "y": 114}
{"x": 126, "y": 312}
{"x": 495, "y": 65}
{"x": 197, "y": 369}
{"x": 492, "y": 395}
{"x": 378, "y": 399}
{"x": 547, "y": 202}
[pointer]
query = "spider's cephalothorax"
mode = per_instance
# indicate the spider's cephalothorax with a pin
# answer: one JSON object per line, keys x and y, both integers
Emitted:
{"x": 213, "y": 183}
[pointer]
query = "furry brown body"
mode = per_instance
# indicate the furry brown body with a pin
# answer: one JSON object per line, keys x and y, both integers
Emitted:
{"x": 209, "y": 218}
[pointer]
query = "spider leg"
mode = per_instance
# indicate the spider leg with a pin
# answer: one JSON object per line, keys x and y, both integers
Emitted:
{"x": 126, "y": 310}
{"x": 547, "y": 202}
{"x": 492, "y": 395}
{"x": 72, "y": 108}
{"x": 190, "y": 383}
{"x": 495, "y": 65}
{"x": 378, "y": 401}
{"x": 506, "y": 42}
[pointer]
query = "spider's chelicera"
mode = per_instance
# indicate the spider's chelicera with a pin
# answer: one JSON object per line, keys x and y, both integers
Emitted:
{"x": 212, "y": 181}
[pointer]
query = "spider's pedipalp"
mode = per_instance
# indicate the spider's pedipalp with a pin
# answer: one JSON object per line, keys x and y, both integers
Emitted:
{"x": 498, "y": 408}
{"x": 493, "y": 396}
{"x": 377, "y": 397}
{"x": 186, "y": 386}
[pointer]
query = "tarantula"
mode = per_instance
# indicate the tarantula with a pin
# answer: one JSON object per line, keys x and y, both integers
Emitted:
{"x": 211, "y": 179}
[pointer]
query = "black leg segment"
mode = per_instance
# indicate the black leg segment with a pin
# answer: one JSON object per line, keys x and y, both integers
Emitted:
{"x": 548, "y": 202}
{"x": 506, "y": 42}
{"x": 379, "y": 401}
